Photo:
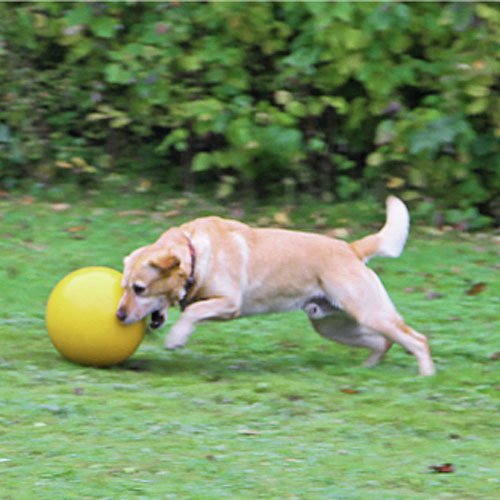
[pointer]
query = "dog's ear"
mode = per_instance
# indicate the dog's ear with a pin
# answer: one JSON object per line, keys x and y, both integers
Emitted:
{"x": 164, "y": 261}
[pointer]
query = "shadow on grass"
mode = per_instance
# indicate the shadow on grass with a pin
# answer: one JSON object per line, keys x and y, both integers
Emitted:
{"x": 213, "y": 368}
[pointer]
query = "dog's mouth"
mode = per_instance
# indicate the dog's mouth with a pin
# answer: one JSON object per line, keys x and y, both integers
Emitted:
{"x": 157, "y": 319}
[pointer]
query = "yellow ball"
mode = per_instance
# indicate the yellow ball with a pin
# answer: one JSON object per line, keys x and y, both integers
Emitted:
{"x": 81, "y": 318}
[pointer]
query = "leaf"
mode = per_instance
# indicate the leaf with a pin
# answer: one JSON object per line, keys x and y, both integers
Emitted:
{"x": 120, "y": 122}
{"x": 487, "y": 12}
{"x": 172, "y": 213}
{"x": 375, "y": 159}
{"x": 249, "y": 432}
{"x": 79, "y": 14}
{"x": 201, "y": 162}
{"x": 384, "y": 133}
{"x": 144, "y": 186}
{"x": 350, "y": 391}
{"x": 115, "y": 73}
{"x": 103, "y": 26}
{"x": 27, "y": 200}
{"x": 282, "y": 219}
{"x": 446, "y": 468}
{"x": 76, "y": 229}
{"x": 338, "y": 103}
{"x": 64, "y": 164}
{"x": 60, "y": 207}
{"x": 476, "y": 288}
{"x": 395, "y": 182}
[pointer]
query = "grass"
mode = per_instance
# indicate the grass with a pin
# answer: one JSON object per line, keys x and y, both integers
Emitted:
{"x": 261, "y": 407}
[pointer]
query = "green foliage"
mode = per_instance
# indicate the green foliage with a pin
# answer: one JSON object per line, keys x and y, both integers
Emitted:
{"x": 338, "y": 97}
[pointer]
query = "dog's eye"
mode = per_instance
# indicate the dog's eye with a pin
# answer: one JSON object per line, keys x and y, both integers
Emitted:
{"x": 138, "y": 289}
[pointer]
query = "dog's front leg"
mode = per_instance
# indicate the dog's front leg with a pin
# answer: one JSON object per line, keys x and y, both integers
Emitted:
{"x": 220, "y": 308}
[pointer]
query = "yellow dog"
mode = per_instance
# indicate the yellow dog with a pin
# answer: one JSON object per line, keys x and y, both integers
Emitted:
{"x": 222, "y": 269}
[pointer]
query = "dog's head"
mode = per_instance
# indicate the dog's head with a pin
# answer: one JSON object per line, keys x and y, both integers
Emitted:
{"x": 154, "y": 279}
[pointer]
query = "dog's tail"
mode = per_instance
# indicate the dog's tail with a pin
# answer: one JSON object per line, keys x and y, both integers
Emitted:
{"x": 391, "y": 239}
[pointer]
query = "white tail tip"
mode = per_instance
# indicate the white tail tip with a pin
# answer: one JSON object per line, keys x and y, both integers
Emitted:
{"x": 394, "y": 234}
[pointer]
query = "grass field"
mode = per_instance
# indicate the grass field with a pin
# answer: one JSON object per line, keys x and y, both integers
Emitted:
{"x": 256, "y": 408}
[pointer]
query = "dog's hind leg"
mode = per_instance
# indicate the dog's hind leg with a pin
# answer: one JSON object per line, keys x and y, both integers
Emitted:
{"x": 378, "y": 345}
{"x": 396, "y": 330}
{"x": 366, "y": 300}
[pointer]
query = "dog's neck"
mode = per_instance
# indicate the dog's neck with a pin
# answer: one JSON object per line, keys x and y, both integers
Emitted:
{"x": 190, "y": 281}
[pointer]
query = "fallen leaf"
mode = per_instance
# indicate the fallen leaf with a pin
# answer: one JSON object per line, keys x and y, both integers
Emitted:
{"x": 433, "y": 295}
{"x": 442, "y": 469}
{"x": 350, "y": 391}
{"x": 249, "y": 432}
{"x": 476, "y": 288}
{"x": 282, "y": 219}
{"x": 27, "y": 200}
{"x": 128, "y": 213}
{"x": 495, "y": 356}
{"x": 76, "y": 229}
{"x": 60, "y": 207}
{"x": 172, "y": 213}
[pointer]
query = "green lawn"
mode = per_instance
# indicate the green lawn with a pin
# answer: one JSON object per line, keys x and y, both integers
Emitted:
{"x": 256, "y": 408}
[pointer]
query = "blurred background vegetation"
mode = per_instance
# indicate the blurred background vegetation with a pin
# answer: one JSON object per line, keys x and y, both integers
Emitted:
{"x": 335, "y": 101}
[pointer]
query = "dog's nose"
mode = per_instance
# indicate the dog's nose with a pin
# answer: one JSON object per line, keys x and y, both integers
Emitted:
{"x": 121, "y": 314}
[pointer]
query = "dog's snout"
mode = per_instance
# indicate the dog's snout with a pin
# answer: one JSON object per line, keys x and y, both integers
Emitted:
{"x": 121, "y": 314}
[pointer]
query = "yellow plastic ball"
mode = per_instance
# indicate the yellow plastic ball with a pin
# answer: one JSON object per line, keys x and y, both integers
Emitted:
{"x": 81, "y": 318}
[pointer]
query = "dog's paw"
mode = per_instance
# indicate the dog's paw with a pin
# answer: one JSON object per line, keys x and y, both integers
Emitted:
{"x": 173, "y": 342}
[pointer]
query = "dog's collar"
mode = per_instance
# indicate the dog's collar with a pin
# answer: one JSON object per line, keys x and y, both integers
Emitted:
{"x": 183, "y": 303}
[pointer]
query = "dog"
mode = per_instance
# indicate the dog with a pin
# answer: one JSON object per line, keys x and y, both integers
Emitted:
{"x": 220, "y": 269}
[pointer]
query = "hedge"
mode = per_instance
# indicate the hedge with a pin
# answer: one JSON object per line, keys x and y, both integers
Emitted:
{"x": 332, "y": 99}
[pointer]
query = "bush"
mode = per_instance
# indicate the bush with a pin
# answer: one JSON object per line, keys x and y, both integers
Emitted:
{"x": 334, "y": 99}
